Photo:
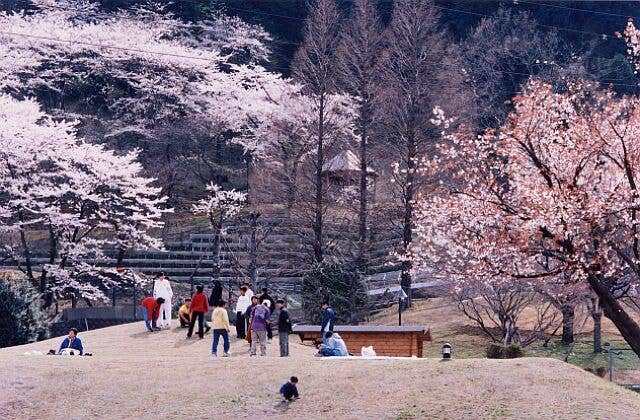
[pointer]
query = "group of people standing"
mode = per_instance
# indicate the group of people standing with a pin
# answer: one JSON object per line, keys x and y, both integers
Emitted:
{"x": 253, "y": 316}
{"x": 253, "y": 320}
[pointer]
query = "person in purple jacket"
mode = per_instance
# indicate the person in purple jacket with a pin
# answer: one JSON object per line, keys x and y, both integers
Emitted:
{"x": 260, "y": 318}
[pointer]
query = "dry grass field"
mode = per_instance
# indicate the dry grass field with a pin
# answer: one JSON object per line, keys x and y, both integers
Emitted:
{"x": 133, "y": 374}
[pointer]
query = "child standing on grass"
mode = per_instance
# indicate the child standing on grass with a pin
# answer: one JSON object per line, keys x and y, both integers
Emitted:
{"x": 220, "y": 321}
{"x": 289, "y": 390}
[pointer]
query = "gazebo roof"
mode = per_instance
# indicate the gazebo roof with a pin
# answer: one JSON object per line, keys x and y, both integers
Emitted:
{"x": 343, "y": 163}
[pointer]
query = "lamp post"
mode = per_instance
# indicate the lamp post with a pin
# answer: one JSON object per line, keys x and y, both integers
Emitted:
{"x": 401, "y": 296}
{"x": 446, "y": 351}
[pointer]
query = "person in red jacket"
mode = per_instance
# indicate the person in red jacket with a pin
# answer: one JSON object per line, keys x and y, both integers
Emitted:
{"x": 151, "y": 311}
{"x": 199, "y": 307}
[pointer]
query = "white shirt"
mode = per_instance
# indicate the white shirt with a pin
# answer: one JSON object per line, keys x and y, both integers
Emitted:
{"x": 249, "y": 294}
{"x": 243, "y": 303}
{"x": 162, "y": 288}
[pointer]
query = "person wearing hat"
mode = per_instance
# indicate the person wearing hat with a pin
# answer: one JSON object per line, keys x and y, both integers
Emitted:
{"x": 162, "y": 289}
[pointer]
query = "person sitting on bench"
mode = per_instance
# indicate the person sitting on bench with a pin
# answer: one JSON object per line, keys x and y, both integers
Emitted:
{"x": 184, "y": 314}
{"x": 335, "y": 346}
{"x": 71, "y": 344}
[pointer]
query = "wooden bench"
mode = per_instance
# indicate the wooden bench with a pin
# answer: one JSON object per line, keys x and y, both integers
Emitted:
{"x": 406, "y": 340}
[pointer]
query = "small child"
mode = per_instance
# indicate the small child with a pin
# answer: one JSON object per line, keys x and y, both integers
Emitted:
{"x": 289, "y": 390}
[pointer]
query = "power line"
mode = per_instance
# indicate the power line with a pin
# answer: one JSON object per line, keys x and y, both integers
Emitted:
{"x": 574, "y": 9}
{"x": 537, "y": 24}
{"x": 264, "y": 13}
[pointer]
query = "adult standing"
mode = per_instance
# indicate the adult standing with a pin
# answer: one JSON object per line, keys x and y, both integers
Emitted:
{"x": 162, "y": 289}
{"x": 199, "y": 307}
{"x": 328, "y": 319}
{"x": 216, "y": 294}
{"x": 241, "y": 307}
{"x": 249, "y": 293}
{"x": 271, "y": 304}
{"x": 284, "y": 327}
{"x": 247, "y": 316}
{"x": 260, "y": 317}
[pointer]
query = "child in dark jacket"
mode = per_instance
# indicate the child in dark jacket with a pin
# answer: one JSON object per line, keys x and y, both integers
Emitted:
{"x": 289, "y": 390}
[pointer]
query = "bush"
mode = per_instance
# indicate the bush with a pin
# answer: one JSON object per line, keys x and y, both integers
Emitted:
{"x": 21, "y": 319}
{"x": 498, "y": 351}
{"x": 338, "y": 283}
{"x": 513, "y": 351}
{"x": 495, "y": 351}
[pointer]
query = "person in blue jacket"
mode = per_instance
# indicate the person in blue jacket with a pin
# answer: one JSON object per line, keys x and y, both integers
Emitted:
{"x": 72, "y": 342}
{"x": 328, "y": 318}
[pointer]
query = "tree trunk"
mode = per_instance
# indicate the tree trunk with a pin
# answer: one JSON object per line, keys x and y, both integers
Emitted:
{"x": 253, "y": 250}
{"x": 318, "y": 247}
{"x": 26, "y": 251}
{"x": 407, "y": 223}
{"x": 568, "y": 315}
{"x": 363, "y": 251}
{"x": 217, "y": 229}
{"x": 597, "y": 330}
{"x": 612, "y": 309}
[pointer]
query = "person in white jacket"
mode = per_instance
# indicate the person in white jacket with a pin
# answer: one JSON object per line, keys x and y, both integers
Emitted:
{"x": 162, "y": 288}
{"x": 241, "y": 307}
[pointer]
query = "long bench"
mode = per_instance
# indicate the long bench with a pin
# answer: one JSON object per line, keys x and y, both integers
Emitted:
{"x": 406, "y": 340}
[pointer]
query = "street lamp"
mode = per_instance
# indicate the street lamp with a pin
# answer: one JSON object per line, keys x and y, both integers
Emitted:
{"x": 400, "y": 295}
{"x": 446, "y": 351}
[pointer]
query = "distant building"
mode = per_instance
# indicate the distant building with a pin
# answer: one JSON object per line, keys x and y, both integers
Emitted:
{"x": 344, "y": 170}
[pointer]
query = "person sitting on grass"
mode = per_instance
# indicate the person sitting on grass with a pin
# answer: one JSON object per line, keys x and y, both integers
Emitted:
{"x": 70, "y": 343}
{"x": 151, "y": 312}
{"x": 184, "y": 315}
{"x": 335, "y": 346}
{"x": 289, "y": 390}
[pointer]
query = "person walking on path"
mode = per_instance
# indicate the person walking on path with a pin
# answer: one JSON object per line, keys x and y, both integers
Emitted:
{"x": 247, "y": 316}
{"x": 259, "y": 322}
{"x": 199, "y": 307}
{"x": 241, "y": 307}
{"x": 151, "y": 306}
{"x": 216, "y": 294}
{"x": 162, "y": 289}
{"x": 220, "y": 321}
{"x": 284, "y": 327}
{"x": 328, "y": 319}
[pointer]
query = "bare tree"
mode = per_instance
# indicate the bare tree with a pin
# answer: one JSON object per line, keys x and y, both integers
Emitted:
{"x": 359, "y": 57}
{"x": 420, "y": 72}
{"x": 316, "y": 68}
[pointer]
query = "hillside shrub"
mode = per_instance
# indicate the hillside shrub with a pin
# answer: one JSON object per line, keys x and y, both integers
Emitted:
{"x": 21, "y": 318}
{"x": 338, "y": 283}
{"x": 498, "y": 351}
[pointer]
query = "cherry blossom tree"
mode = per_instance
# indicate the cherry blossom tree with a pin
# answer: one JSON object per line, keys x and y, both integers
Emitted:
{"x": 87, "y": 198}
{"x": 551, "y": 193}
{"x": 137, "y": 79}
{"x": 219, "y": 206}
